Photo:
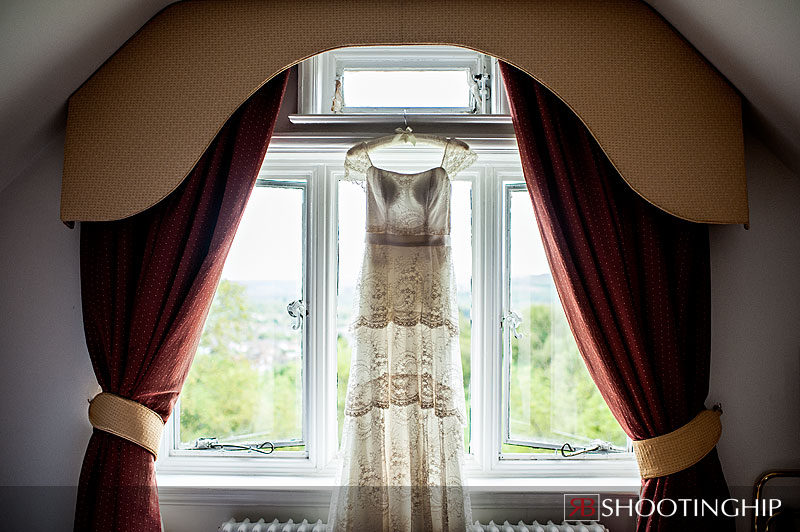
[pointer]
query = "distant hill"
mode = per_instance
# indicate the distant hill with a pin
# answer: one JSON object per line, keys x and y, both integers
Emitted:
{"x": 534, "y": 288}
{"x": 531, "y": 288}
{"x": 271, "y": 290}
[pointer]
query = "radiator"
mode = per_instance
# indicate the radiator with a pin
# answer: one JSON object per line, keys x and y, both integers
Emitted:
{"x": 290, "y": 526}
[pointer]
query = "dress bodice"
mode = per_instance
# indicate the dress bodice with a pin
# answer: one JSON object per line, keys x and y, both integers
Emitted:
{"x": 408, "y": 204}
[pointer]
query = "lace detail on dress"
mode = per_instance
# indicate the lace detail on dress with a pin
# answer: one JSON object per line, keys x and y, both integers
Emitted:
{"x": 457, "y": 157}
{"x": 356, "y": 164}
{"x": 405, "y": 389}
{"x": 406, "y": 364}
{"x": 401, "y": 475}
{"x": 407, "y": 286}
{"x": 429, "y": 321}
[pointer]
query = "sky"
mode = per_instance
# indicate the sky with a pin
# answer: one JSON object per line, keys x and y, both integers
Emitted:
{"x": 527, "y": 250}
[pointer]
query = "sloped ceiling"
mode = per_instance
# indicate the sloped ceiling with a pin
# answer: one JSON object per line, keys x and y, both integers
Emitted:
{"x": 756, "y": 45}
{"x": 49, "y": 47}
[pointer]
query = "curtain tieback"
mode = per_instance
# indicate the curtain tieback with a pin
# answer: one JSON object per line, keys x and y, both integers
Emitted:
{"x": 681, "y": 448}
{"x": 127, "y": 419}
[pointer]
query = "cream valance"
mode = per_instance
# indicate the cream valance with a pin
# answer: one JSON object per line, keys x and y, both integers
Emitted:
{"x": 667, "y": 120}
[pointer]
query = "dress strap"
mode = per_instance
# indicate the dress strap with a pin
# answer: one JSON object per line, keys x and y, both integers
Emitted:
{"x": 356, "y": 164}
{"x": 444, "y": 153}
{"x": 457, "y": 156}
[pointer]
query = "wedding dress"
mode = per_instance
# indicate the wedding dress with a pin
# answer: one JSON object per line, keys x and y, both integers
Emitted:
{"x": 403, "y": 436}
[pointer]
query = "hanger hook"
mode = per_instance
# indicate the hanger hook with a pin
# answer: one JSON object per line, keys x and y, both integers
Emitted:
{"x": 405, "y": 120}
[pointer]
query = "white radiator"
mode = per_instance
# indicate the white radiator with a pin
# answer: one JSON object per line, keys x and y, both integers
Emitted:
{"x": 290, "y": 526}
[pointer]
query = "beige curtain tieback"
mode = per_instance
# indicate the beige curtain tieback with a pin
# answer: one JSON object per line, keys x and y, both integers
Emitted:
{"x": 681, "y": 448}
{"x": 127, "y": 419}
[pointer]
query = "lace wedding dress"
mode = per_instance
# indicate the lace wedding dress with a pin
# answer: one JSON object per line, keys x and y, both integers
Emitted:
{"x": 403, "y": 437}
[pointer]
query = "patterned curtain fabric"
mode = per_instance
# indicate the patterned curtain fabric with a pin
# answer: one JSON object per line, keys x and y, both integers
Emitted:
{"x": 147, "y": 284}
{"x": 635, "y": 285}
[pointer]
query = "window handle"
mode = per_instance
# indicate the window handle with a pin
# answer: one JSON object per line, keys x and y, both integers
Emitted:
{"x": 337, "y": 103}
{"x": 479, "y": 90}
{"x": 297, "y": 310}
{"x": 597, "y": 446}
{"x": 513, "y": 320}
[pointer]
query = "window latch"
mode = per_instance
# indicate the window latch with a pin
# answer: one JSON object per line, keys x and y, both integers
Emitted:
{"x": 597, "y": 446}
{"x": 337, "y": 103}
{"x": 480, "y": 91}
{"x": 512, "y": 320}
{"x": 297, "y": 310}
{"x": 214, "y": 444}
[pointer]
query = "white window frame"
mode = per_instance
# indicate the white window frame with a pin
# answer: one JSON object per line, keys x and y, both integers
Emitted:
{"x": 319, "y": 160}
{"x": 178, "y": 460}
{"x": 508, "y": 186}
{"x": 317, "y": 76}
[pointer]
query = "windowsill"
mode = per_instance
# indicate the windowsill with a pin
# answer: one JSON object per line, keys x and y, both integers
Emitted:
{"x": 211, "y": 489}
{"x": 392, "y": 118}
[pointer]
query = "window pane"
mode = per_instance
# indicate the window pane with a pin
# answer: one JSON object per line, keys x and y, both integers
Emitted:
{"x": 245, "y": 384}
{"x": 461, "y": 244}
{"x": 551, "y": 398}
{"x": 352, "y": 221}
{"x": 406, "y": 88}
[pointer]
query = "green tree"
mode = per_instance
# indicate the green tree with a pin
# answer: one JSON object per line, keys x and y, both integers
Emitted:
{"x": 552, "y": 397}
{"x": 229, "y": 321}
{"x": 345, "y": 353}
{"x": 465, "y": 345}
{"x": 215, "y": 401}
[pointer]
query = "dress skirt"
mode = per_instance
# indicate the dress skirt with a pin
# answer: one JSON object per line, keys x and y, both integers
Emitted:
{"x": 403, "y": 436}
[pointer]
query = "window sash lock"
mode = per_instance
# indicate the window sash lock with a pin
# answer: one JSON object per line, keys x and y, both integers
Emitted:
{"x": 297, "y": 310}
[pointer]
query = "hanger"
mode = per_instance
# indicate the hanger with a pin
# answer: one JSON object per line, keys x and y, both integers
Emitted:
{"x": 407, "y": 136}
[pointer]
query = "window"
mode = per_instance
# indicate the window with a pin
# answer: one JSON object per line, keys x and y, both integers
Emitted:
{"x": 549, "y": 399}
{"x": 392, "y": 79}
{"x": 404, "y": 90}
{"x": 263, "y": 374}
{"x": 246, "y": 383}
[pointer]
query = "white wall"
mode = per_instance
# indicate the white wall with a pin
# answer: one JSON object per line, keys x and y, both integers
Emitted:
{"x": 45, "y": 373}
{"x": 755, "y": 367}
{"x": 46, "y": 377}
{"x": 755, "y": 363}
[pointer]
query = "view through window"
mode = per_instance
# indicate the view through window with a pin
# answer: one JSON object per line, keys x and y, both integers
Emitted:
{"x": 245, "y": 384}
{"x": 549, "y": 397}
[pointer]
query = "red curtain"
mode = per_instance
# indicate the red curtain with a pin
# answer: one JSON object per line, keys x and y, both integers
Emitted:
{"x": 147, "y": 283}
{"x": 635, "y": 285}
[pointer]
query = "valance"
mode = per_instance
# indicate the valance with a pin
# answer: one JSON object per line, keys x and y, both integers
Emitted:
{"x": 669, "y": 123}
